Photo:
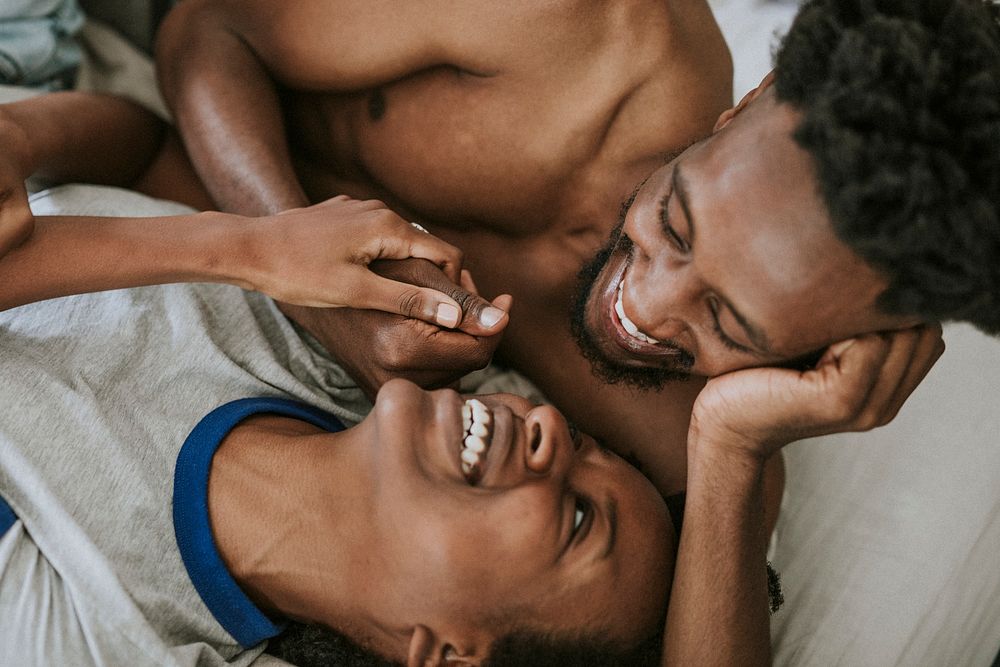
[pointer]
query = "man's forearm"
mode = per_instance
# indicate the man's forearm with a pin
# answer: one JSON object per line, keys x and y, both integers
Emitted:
{"x": 227, "y": 109}
{"x": 718, "y": 611}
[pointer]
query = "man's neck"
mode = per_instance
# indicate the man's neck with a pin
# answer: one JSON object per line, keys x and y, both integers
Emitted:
{"x": 286, "y": 502}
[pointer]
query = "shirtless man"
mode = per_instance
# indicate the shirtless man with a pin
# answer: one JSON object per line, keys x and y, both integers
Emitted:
{"x": 515, "y": 131}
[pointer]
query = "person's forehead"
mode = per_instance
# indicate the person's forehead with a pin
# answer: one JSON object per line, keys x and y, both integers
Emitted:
{"x": 763, "y": 236}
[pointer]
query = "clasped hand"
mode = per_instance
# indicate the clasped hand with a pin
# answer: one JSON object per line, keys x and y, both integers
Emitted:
{"x": 320, "y": 256}
{"x": 858, "y": 384}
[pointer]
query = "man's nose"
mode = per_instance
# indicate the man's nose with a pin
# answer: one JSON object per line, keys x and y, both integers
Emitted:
{"x": 660, "y": 296}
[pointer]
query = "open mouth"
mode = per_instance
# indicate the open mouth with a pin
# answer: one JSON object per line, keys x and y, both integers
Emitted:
{"x": 625, "y": 332}
{"x": 477, "y": 427}
{"x": 630, "y": 327}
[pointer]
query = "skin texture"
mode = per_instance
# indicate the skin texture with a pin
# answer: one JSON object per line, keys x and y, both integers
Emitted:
{"x": 513, "y": 131}
{"x": 731, "y": 231}
{"x": 316, "y": 256}
{"x": 425, "y": 562}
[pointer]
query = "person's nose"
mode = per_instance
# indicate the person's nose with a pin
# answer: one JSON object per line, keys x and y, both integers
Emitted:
{"x": 661, "y": 290}
{"x": 661, "y": 296}
{"x": 550, "y": 449}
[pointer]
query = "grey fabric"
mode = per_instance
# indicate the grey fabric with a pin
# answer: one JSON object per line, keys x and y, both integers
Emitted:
{"x": 99, "y": 392}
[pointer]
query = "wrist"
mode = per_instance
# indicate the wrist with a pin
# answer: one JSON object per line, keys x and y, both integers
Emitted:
{"x": 722, "y": 446}
{"x": 228, "y": 240}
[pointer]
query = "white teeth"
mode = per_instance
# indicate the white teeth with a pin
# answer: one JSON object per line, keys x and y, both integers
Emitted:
{"x": 466, "y": 417}
{"x": 628, "y": 324}
{"x": 577, "y": 519}
{"x": 476, "y": 420}
{"x": 475, "y": 443}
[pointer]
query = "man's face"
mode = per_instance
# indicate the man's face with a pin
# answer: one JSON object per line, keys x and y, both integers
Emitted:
{"x": 554, "y": 535}
{"x": 727, "y": 259}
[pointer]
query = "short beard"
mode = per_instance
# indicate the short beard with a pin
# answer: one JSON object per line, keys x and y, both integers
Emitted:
{"x": 604, "y": 369}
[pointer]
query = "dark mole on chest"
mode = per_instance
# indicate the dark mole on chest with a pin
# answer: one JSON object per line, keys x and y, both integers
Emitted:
{"x": 376, "y": 104}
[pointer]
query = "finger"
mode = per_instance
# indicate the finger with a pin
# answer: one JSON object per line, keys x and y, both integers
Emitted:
{"x": 466, "y": 282}
{"x": 847, "y": 375}
{"x": 449, "y": 351}
{"x": 421, "y": 303}
{"x": 928, "y": 350}
{"x": 894, "y": 368}
{"x": 412, "y": 242}
{"x": 480, "y": 317}
{"x": 504, "y": 302}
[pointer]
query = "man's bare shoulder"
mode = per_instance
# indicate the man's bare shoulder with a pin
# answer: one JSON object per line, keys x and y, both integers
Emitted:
{"x": 326, "y": 38}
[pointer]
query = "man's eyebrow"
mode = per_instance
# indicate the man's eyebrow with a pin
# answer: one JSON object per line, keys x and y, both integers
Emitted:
{"x": 611, "y": 507}
{"x": 754, "y": 333}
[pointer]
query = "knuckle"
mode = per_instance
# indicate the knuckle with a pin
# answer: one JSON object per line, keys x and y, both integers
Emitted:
{"x": 409, "y": 303}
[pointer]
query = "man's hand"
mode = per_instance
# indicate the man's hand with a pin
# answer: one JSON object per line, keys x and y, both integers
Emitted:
{"x": 320, "y": 257}
{"x": 859, "y": 384}
{"x": 374, "y": 347}
{"x": 16, "y": 220}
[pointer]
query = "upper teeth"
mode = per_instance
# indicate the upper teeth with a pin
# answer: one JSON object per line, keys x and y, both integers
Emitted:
{"x": 476, "y": 422}
{"x": 628, "y": 324}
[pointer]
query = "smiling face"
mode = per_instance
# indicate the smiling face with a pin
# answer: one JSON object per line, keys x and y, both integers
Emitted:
{"x": 544, "y": 532}
{"x": 727, "y": 259}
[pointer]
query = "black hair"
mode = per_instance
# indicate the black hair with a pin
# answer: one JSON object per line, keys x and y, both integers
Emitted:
{"x": 306, "y": 645}
{"x": 901, "y": 114}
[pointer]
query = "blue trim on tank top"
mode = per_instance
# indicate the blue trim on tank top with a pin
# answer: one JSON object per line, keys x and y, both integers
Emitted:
{"x": 231, "y": 607}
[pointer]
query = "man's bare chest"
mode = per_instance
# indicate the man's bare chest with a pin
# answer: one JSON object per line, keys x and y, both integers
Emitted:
{"x": 462, "y": 151}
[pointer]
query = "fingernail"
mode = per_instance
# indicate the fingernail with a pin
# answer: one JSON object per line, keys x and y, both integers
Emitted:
{"x": 448, "y": 315}
{"x": 490, "y": 316}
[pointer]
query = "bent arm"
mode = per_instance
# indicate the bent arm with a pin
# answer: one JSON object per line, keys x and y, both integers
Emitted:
{"x": 223, "y": 65}
{"x": 227, "y": 109}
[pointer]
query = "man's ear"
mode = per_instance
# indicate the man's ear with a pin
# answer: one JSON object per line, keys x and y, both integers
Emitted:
{"x": 729, "y": 114}
{"x": 427, "y": 649}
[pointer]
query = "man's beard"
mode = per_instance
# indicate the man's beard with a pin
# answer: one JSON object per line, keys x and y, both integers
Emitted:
{"x": 607, "y": 370}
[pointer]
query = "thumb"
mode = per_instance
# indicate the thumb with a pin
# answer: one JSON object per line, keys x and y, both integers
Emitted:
{"x": 422, "y": 303}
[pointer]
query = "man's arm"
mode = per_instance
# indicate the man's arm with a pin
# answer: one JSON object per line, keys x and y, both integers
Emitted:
{"x": 718, "y": 613}
{"x": 223, "y": 63}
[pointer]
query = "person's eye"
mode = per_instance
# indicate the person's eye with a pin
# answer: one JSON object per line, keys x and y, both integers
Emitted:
{"x": 668, "y": 229}
{"x": 580, "y": 515}
{"x": 574, "y": 435}
{"x": 717, "y": 326}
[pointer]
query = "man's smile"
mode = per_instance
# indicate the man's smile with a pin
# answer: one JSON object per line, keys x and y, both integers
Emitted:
{"x": 631, "y": 345}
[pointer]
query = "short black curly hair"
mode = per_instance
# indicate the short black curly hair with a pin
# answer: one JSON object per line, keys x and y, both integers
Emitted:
{"x": 901, "y": 115}
{"x": 306, "y": 645}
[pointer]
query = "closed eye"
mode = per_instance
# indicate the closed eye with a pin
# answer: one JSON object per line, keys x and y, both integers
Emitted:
{"x": 668, "y": 229}
{"x": 717, "y": 327}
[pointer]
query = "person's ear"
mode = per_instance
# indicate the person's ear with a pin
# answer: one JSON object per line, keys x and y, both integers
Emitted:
{"x": 729, "y": 114}
{"x": 427, "y": 649}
